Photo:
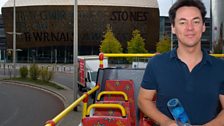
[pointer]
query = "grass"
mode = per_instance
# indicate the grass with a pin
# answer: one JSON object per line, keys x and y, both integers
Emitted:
{"x": 39, "y": 82}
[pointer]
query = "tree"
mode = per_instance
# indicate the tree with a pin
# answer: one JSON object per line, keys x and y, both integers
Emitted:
{"x": 136, "y": 44}
{"x": 110, "y": 44}
{"x": 163, "y": 45}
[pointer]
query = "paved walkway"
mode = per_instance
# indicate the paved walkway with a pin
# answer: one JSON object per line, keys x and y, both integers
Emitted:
{"x": 66, "y": 95}
{"x": 65, "y": 68}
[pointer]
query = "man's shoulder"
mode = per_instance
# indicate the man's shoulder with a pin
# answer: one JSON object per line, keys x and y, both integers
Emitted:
{"x": 217, "y": 60}
{"x": 161, "y": 57}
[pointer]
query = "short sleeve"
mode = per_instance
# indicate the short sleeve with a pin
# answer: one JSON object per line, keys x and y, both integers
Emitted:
{"x": 221, "y": 73}
{"x": 221, "y": 91}
{"x": 149, "y": 80}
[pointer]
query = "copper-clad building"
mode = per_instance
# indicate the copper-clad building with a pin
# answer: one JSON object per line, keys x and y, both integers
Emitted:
{"x": 46, "y": 26}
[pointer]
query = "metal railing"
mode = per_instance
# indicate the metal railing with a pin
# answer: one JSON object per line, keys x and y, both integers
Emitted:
{"x": 102, "y": 55}
{"x": 84, "y": 97}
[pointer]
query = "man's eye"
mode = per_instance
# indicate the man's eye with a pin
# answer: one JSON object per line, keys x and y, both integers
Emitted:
{"x": 182, "y": 22}
{"x": 196, "y": 22}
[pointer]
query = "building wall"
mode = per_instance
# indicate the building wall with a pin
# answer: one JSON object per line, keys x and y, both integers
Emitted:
{"x": 52, "y": 26}
{"x": 2, "y": 40}
{"x": 217, "y": 7}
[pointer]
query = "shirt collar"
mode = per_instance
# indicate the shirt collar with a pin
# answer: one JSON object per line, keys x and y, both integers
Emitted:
{"x": 206, "y": 57}
{"x": 173, "y": 54}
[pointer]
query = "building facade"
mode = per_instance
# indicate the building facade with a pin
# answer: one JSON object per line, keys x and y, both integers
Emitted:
{"x": 46, "y": 29}
{"x": 217, "y": 7}
{"x": 2, "y": 41}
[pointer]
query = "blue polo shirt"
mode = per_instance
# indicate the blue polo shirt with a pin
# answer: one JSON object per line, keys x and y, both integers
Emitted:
{"x": 198, "y": 90}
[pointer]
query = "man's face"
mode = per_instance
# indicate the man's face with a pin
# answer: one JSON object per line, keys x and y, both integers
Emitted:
{"x": 188, "y": 26}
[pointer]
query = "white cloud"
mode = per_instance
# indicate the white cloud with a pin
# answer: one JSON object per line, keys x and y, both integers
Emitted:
{"x": 2, "y": 2}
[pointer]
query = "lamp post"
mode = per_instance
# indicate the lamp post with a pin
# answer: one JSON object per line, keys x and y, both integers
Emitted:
{"x": 4, "y": 60}
{"x": 14, "y": 33}
{"x": 75, "y": 50}
{"x": 14, "y": 38}
{"x": 171, "y": 37}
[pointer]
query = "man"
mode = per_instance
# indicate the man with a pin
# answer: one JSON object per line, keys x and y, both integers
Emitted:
{"x": 187, "y": 73}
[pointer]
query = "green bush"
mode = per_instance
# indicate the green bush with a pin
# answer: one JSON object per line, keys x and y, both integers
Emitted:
{"x": 46, "y": 75}
{"x": 23, "y": 72}
{"x": 110, "y": 43}
{"x": 163, "y": 45}
{"x": 34, "y": 72}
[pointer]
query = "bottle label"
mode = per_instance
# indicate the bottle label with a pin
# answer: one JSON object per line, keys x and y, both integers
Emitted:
{"x": 177, "y": 111}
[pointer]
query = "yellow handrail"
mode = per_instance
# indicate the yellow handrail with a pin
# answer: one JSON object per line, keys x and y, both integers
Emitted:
{"x": 112, "y": 93}
{"x": 70, "y": 108}
{"x": 144, "y": 55}
{"x": 129, "y": 54}
{"x": 218, "y": 55}
{"x": 101, "y": 56}
{"x": 116, "y": 106}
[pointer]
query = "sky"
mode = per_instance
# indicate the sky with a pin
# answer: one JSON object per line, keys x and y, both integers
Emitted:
{"x": 2, "y": 2}
{"x": 164, "y": 6}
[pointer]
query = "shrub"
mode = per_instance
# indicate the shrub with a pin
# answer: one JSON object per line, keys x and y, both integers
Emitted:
{"x": 110, "y": 43}
{"x": 163, "y": 45}
{"x": 23, "y": 72}
{"x": 46, "y": 75}
{"x": 136, "y": 44}
{"x": 34, "y": 72}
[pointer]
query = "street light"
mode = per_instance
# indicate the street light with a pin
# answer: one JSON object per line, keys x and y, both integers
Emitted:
{"x": 171, "y": 37}
{"x": 75, "y": 51}
{"x": 14, "y": 33}
{"x": 14, "y": 38}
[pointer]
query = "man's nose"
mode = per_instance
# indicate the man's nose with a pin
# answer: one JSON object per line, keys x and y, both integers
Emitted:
{"x": 190, "y": 26}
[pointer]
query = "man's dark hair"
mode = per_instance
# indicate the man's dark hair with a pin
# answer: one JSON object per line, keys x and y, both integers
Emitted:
{"x": 189, "y": 3}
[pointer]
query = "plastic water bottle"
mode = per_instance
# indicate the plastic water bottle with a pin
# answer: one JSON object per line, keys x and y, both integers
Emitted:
{"x": 178, "y": 112}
